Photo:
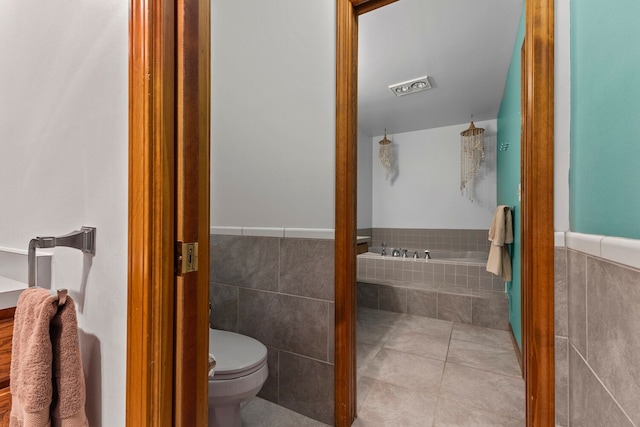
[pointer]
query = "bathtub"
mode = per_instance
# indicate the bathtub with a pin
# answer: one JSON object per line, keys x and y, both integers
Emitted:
{"x": 452, "y": 285}
{"x": 461, "y": 269}
{"x": 463, "y": 257}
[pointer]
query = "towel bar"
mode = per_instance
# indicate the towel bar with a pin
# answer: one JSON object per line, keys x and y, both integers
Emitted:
{"x": 83, "y": 239}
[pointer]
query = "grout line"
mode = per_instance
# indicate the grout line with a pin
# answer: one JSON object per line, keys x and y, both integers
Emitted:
{"x": 603, "y": 386}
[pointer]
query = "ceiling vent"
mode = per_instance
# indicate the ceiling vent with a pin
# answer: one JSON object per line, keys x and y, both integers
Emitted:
{"x": 411, "y": 86}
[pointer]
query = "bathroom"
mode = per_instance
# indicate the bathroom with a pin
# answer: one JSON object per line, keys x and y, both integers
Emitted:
{"x": 272, "y": 269}
{"x": 64, "y": 163}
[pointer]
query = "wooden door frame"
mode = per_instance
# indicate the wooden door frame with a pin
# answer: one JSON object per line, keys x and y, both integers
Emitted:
{"x": 168, "y": 124}
{"x": 537, "y": 209}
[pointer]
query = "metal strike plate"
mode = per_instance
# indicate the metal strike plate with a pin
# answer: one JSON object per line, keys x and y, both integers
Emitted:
{"x": 186, "y": 258}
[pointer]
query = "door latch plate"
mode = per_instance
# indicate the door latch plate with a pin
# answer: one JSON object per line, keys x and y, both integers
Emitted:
{"x": 186, "y": 258}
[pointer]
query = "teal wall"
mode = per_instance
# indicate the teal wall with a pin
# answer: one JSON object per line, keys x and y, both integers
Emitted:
{"x": 604, "y": 178}
{"x": 508, "y": 175}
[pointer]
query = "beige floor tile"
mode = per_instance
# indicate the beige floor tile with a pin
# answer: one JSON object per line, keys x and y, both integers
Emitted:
{"x": 402, "y": 375}
{"x": 363, "y": 389}
{"x": 407, "y": 370}
{"x": 379, "y": 317}
{"x": 500, "y": 360}
{"x": 365, "y": 354}
{"x": 481, "y": 335}
{"x": 369, "y": 333}
{"x": 488, "y": 391}
{"x": 389, "y": 405}
{"x": 434, "y": 347}
{"x": 425, "y": 325}
{"x": 454, "y": 414}
{"x": 262, "y": 413}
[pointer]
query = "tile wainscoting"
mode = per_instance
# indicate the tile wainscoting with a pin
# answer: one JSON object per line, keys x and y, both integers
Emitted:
{"x": 597, "y": 295}
{"x": 280, "y": 291}
{"x": 432, "y": 239}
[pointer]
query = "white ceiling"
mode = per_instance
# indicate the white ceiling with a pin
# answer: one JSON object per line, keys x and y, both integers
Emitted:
{"x": 464, "y": 46}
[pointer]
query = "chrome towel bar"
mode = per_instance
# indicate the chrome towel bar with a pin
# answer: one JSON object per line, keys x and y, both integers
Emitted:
{"x": 83, "y": 239}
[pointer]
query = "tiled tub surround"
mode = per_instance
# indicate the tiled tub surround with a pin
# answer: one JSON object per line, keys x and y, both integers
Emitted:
{"x": 281, "y": 292}
{"x": 597, "y": 343}
{"x": 432, "y": 238}
{"x": 464, "y": 293}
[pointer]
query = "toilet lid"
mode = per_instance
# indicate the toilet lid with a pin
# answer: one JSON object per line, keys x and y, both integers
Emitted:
{"x": 235, "y": 353}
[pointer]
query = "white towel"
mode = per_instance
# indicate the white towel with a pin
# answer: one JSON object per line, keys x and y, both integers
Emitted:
{"x": 500, "y": 235}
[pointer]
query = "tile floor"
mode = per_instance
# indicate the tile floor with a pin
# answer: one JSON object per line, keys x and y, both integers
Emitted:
{"x": 424, "y": 372}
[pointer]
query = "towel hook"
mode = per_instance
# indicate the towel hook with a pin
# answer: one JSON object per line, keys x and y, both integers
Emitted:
{"x": 83, "y": 239}
{"x": 62, "y": 297}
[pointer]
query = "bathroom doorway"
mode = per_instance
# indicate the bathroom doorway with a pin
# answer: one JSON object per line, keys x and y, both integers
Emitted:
{"x": 537, "y": 171}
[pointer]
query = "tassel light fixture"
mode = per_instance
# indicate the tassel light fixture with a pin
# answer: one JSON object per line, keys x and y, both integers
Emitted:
{"x": 385, "y": 154}
{"x": 471, "y": 156}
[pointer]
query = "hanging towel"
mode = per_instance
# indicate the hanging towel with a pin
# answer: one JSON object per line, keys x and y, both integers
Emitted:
{"x": 69, "y": 394}
{"x": 47, "y": 383}
{"x": 31, "y": 358}
{"x": 500, "y": 235}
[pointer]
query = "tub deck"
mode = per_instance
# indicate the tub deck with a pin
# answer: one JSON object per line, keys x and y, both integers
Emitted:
{"x": 443, "y": 289}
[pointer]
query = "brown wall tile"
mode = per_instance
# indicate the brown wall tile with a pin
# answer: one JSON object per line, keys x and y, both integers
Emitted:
{"x": 455, "y": 308}
{"x": 613, "y": 322}
{"x": 577, "y": 299}
{"x": 562, "y": 381}
{"x": 286, "y": 322}
{"x": 307, "y": 268}
{"x": 589, "y": 402}
{"x": 249, "y": 262}
{"x": 306, "y": 386}
{"x": 560, "y": 292}
{"x": 224, "y": 307}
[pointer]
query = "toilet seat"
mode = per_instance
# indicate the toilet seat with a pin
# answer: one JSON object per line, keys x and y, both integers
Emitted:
{"x": 236, "y": 355}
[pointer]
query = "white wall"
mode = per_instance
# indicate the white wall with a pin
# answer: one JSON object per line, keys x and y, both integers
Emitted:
{"x": 63, "y": 164}
{"x": 426, "y": 191}
{"x": 562, "y": 112}
{"x": 273, "y": 113}
{"x": 365, "y": 156}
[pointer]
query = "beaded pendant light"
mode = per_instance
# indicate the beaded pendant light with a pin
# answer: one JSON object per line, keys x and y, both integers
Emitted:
{"x": 471, "y": 156}
{"x": 385, "y": 154}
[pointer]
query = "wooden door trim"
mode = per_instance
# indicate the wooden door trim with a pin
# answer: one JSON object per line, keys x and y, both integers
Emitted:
{"x": 345, "y": 233}
{"x": 346, "y": 218}
{"x": 537, "y": 210}
{"x": 537, "y": 214}
{"x": 149, "y": 399}
{"x": 169, "y": 109}
{"x": 192, "y": 211}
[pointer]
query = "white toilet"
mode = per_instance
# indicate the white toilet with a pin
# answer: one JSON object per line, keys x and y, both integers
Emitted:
{"x": 241, "y": 370}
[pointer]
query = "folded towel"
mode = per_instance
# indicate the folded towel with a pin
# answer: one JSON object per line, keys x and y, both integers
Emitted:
{"x": 500, "y": 234}
{"x": 46, "y": 369}
{"x": 212, "y": 365}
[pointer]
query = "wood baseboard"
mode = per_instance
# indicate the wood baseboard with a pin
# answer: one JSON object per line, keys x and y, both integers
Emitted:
{"x": 517, "y": 349}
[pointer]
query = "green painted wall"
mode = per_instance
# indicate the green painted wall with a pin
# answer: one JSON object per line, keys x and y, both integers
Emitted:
{"x": 508, "y": 175}
{"x": 604, "y": 179}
